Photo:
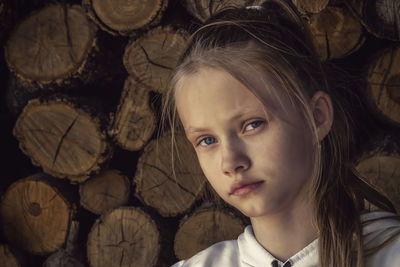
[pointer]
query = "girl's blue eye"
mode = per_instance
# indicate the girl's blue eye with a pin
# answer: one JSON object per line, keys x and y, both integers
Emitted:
{"x": 254, "y": 124}
{"x": 207, "y": 140}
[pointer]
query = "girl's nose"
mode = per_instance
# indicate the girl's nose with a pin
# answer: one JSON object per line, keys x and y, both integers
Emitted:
{"x": 234, "y": 159}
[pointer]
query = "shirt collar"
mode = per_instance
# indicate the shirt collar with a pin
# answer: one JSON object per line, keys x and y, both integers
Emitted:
{"x": 378, "y": 228}
{"x": 253, "y": 254}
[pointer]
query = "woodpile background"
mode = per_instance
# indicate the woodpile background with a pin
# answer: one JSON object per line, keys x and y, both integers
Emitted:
{"x": 85, "y": 180}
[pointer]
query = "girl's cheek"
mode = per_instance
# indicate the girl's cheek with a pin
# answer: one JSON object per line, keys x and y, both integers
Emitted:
{"x": 207, "y": 164}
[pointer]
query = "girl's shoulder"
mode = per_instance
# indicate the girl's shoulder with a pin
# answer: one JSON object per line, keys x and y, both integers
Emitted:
{"x": 224, "y": 253}
{"x": 381, "y": 238}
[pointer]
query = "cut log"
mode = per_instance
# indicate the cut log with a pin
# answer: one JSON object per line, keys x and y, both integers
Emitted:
{"x": 51, "y": 44}
{"x": 203, "y": 229}
{"x": 125, "y": 236}
{"x": 105, "y": 191}
{"x": 380, "y": 17}
{"x": 336, "y": 33}
{"x": 8, "y": 258}
{"x": 135, "y": 120}
{"x": 204, "y": 9}
{"x": 152, "y": 57}
{"x": 66, "y": 257}
{"x": 155, "y": 182}
{"x": 310, "y": 6}
{"x": 124, "y": 17}
{"x": 382, "y": 170}
{"x": 35, "y": 216}
{"x": 384, "y": 84}
{"x": 64, "y": 140}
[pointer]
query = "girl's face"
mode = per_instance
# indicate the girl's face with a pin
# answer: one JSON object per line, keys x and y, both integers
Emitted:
{"x": 256, "y": 161}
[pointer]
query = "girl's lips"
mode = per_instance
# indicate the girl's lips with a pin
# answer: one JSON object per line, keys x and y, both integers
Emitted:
{"x": 243, "y": 188}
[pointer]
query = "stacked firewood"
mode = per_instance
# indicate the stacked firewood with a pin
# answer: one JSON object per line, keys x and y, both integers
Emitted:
{"x": 83, "y": 83}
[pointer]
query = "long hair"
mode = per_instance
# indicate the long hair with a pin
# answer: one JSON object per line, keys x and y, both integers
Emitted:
{"x": 256, "y": 45}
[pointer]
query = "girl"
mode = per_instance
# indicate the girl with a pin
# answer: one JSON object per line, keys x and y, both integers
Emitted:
{"x": 272, "y": 138}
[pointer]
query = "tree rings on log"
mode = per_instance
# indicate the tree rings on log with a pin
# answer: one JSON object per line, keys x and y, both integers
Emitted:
{"x": 380, "y": 17}
{"x": 152, "y": 57}
{"x": 155, "y": 181}
{"x": 310, "y": 6}
{"x": 336, "y": 33}
{"x": 135, "y": 120}
{"x": 51, "y": 44}
{"x": 34, "y": 216}
{"x": 383, "y": 171}
{"x": 105, "y": 191}
{"x": 125, "y": 236}
{"x": 204, "y": 229}
{"x": 384, "y": 83}
{"x": 124, "y": 17}
{"x": 64, "y": 140}
{"x": 8, "y": 258}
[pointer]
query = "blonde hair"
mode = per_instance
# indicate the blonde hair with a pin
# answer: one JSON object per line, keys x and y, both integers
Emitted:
{"x": 272, "y": 43}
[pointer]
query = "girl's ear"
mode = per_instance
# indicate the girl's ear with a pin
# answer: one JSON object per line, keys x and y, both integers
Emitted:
{"x": 322, "y": 109}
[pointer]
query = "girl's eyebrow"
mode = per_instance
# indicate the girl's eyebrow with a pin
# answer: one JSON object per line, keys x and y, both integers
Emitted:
{"x": 235, "y": 117}
{"x": 196, "y": 130}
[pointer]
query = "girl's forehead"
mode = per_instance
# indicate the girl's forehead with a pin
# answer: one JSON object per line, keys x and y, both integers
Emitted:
{"x": 263, "y": 87}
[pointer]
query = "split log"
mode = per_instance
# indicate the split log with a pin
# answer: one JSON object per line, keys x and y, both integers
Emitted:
{"x": 336, "y": 33}
{"x": 66, "y": 257}
{"x": 8, "y": 258}
{"x": 105, "y": 191}
{"x": 124, "y": 17}
{"x": 125, "y": 236}
{"x": 135, "y": 120}
{"x": 380, "y": 17}
{"x": 35, "y": 216}
{"x": 310, "y": 6}
{"x": 155, "y": 183}
{"x": 152, "y": 57}
{"x": 203, "y": 229}
{"x": 384, "y": 84}
{"x": 66, "y": 141}
{"x": 51, "y": 45}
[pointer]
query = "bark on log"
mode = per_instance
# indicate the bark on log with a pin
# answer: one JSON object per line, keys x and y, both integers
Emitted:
{"x": 66, "y": 141}
{"x": 35, "y": 216}
{"x": 152, "y": 57}
{"x": 104, "y": 192}
{"x": 203, "y": 229}
{"x": 380, "y": 17}
{"x": 51, "y": 44}
{"x": 124, "y": 17}
{"x": 67, "y": 257}
{"x": 310, "y": 6}
{"x": 384, "y": 84}
{"x": 155, "y": 182}
{"x": 336, "y": 33}
{"x": 125, "y": 236}
{"x": 135, "y": 120}
{"x": 8, "y": 258}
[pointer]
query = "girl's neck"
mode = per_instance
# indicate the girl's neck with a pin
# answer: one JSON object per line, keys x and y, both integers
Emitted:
{"x": 286, "y": 233}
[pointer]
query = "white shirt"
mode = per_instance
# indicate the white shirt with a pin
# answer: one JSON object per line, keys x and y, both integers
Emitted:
{"x": 380, "y": 229}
